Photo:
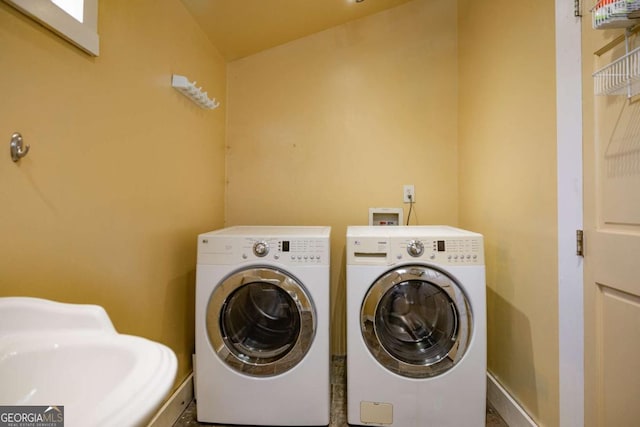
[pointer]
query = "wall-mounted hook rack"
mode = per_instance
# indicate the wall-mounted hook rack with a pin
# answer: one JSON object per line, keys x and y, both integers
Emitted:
{"x": 190, "y": 90}
{"x": 17, "y": 147}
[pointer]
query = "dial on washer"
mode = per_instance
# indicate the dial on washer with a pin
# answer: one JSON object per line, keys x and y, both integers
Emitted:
{"x": 415, "y": 248}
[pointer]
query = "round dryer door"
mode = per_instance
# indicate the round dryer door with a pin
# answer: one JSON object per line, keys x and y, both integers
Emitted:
{"x": 416, "y": 321}
{"x": 260, "y": 321}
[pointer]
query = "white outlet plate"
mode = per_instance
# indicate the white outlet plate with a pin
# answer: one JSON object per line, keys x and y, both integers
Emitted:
{"x": 408, "y": 190}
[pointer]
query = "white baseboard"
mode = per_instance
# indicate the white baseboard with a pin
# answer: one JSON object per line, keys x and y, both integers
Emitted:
{"x": 510, "y": 410}
{"x": 175, "y": 405}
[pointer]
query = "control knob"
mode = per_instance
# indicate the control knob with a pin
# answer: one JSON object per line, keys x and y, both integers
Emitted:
{"x": 261, "y": 248}
{"x": 415, "y": 248}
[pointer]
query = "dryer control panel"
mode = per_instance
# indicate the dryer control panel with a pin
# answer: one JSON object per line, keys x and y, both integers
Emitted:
{"x": 287, "y": 250}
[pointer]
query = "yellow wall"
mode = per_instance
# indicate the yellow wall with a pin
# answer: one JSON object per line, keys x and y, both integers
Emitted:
{"x": 322, "y": 128}
{"x": 123, "y": 171}
{"x": 507, "y": 167}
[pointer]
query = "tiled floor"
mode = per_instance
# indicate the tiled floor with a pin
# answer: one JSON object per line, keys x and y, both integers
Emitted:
{"x": 338, "y": 403}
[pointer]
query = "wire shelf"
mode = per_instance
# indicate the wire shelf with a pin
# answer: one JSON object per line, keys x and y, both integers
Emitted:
{"x": 620, "y": 77}
{"x": 615, "y": 13}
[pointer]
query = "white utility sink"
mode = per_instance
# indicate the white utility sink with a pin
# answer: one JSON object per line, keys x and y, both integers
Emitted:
{"x": 70, "y": 355}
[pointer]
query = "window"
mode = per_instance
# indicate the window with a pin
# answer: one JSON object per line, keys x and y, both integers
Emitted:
{"x": 74, "y": 20}
{"x": 74, "y": 8}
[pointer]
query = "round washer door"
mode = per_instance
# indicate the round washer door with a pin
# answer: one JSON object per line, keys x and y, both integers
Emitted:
{"x": 261, "y": 321}
{"x": 416, "y": 321}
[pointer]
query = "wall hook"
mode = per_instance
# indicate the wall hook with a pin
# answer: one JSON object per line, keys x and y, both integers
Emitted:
{"x": 191, "y": 91}
{"x": 18, "y": 149}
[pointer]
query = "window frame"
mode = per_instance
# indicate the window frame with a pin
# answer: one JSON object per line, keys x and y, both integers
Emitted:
{"x": 82, "y": 34}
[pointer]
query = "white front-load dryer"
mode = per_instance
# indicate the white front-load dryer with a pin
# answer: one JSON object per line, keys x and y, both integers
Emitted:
{"x": 262, "y": 326}
{"x": 416, "y": 327}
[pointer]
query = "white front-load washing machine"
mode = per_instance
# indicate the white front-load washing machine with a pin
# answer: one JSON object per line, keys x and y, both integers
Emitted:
{"x": 262, "y": 326}
{"x": 416, "y": 327}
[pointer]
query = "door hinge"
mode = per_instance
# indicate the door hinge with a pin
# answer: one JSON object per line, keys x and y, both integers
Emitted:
{"x": 577, "y": 8}
{"x": 579, "y": 243}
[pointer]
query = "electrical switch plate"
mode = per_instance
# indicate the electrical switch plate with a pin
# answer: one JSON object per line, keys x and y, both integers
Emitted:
{"x": 409, "y": 193}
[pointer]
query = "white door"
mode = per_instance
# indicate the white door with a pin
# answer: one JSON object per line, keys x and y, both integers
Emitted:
{"x": 612, "y": 242}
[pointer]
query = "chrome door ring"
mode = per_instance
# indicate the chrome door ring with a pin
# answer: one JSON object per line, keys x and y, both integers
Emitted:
{"x": 270, "y": 365}
{"x": 452, "y": 293}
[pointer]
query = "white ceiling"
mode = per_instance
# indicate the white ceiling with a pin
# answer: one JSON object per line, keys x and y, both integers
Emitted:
{"x": 240, "y": 28}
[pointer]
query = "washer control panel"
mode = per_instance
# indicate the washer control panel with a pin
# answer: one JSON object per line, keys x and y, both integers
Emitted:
{"x": 433, "y": 244}
{"x": 288, "y": 251}
{"x": 445, "y": 250}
